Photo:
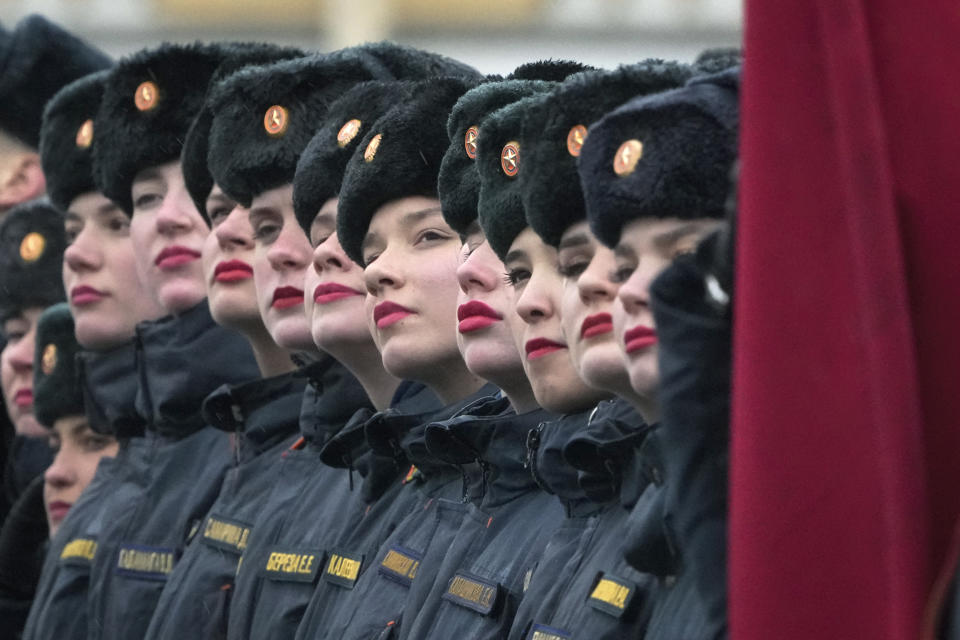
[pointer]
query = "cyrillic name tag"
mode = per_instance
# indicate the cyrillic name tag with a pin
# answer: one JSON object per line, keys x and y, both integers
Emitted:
{"x": 543, "y": 632}
{"x": 343, "y": 568}
{"x": 145, "y": 563}
{"x": 400, "y": 564}
{"x": 224, "y": 533}
{"x": 612, "y": 595}
{"x": 293, "y": 565}
{"x": 79, "y": 551}
{"x": 472, "y": 592}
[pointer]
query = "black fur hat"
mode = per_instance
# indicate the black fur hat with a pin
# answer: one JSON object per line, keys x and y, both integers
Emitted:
{"x": 56, "y": 386}
{"x": 67, "y": 138}
{"x": 500, "y": 207}
{"x": 193, "y": 157}
{"x": 459, "y": 182}
{"x": 717, "y": 59}
{"x": 553, "y": 70}
{"x": 149, "y": 102}
{"x": 664, "y": 155}
{"x": 31, "y": 257}
{"x": 399, "y": 156}
{"x": 320, "y": 168}
{"x": 402, "y": 62}
{"x": 554, "y": 132}
{"x": 36, "y": 60}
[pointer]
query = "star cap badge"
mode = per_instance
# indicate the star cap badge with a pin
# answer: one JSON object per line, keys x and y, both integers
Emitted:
{"x": 348, "y": 132}
{"x": 276, "y": 120}
{"x": 48, "y": 361}
{"x": 627, "y": 156}
{"x": 371, "y": 151}
{"x": 146, "y": 96}
{"x": 470, "y": 142}
{"x": 510, "y": 158}
{"x": 575, "y": 139}
{"x": 85, "y": 134}
{"x": 32, "y": 246}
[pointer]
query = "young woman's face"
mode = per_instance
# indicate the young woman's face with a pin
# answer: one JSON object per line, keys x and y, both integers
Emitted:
{"x": 589, "y": 291}
{"x": 228, "y": 264}
{"x": 77, "y": 452}
{"x": 538, "y": 288}
{"x": 107, "y": 299}
{"x": 335, "y": 288}
{"x": 485, "y": 315}
{"x": 281, "y": 257}
{"x": 646, "y": 248}
{"x": 16, "y": 371}
{"x": 168, "y": 234}
{"x": 410, "y": 255}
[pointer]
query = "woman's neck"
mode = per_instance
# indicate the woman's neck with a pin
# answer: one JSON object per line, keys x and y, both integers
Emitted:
{"x": 272, "y": 359}
{"x": 363, "y": 361}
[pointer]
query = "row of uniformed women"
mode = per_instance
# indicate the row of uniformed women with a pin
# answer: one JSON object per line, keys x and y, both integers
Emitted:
{"x": 465, "y": 442}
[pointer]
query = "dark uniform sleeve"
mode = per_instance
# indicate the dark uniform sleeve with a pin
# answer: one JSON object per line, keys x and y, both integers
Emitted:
{"x": 22, "y": 543}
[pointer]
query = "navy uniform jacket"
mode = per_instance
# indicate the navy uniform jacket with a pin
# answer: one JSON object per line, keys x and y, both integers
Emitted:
{"x": 264, "y": 415}
{"x": 109, "y": 382}
{"x": 180, "y": 360}
{"x": 285, "y": 551}
{"x": 402, "y": 570}
{"x": 479, "y": 586}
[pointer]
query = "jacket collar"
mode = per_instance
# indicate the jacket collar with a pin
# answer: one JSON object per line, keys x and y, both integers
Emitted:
{"x": 109, "y": 382}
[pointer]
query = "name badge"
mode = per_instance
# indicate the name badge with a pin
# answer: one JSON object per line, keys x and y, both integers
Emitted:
{"x": 293, "y": 565}
{"x": 467, "y": 590}
{"x": 543, "y": 632}
{"x": 400, "y": 565}
{"x": 79, "y": 551}
{"x": 612, "y": 595}
{"x": 145, "y": 563}
{"x": 224, "y": 533}
{"x": 343, "y": 568}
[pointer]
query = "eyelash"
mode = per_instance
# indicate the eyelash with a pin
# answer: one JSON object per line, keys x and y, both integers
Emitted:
{"x": 145, "y": 200}
{"x": 513, "y": 277}
{"x": 572, "y": 270}
{"x": 265, "y": 230}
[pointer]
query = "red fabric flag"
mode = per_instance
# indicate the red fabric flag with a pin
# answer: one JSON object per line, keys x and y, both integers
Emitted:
{"x": 845, "y": 478}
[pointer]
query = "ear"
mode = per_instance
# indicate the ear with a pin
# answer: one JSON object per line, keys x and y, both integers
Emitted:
{"x": 24, "y": 180}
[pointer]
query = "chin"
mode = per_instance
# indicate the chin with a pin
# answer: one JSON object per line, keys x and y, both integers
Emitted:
{"x": 411, "y": 361}
{"x": 492, "y": 361}
{"x": 292, "y": 334}
{"x": 99, "y": 334}
{"x": 177, "y": 297}
{"x": 604, "y": 371}
{"x": 644, "y": 377}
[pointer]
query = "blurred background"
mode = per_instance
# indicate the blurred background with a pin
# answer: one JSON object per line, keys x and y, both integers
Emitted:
{"x": 493, "y": 35}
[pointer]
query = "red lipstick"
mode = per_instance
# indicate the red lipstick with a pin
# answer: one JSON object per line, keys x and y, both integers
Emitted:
{"x": 596, "y": 325}
{"x": 640, "y": 337}
{"x": 388, "y": 313}
{"x": 539, "y": 347}
{"x": 58, "y": 509}
{"x": 331, "y": 292}
{"x": 476, "y": 315}
{"x": 175, "y": 256}
{"x": 286, "y": 297}
{"x": 232, "y": 271}
{"x": 23, "y": 398}
{"x": 84, "y": 295}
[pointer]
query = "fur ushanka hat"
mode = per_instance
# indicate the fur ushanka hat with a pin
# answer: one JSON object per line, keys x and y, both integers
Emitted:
{"x": 664, "y": 155}
{"x": 31, "y": 257}
{"x": 459, "y": 183}
{"x": 500, "y": 161}
{"x": 193, "y": 157}
{"x": 67, "y": 139}
{"x": 554, "y": 132}
{"x": 399, "y": 156}
{"x": 320, "y": 168}
{"x": 37, "y": 59}
{"x": 57, "y": 391}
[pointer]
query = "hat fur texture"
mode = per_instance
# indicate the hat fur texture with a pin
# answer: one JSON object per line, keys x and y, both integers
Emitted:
{"x": 56, "y": 385}
{"x": 32, "y": 243}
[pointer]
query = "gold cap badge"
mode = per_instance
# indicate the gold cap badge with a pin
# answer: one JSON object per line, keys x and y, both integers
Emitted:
{"x": 146, "y": 96}
{"x": 470, "y": 142}
{"x": 32, "y": 246}
{"x": 627, "y": 157}
{"x": 371, "y": 152}
{"x": 510, "y": 158}
{"x": 85, "y": 134}
{"x": 348, "y": 132}
{"x": 275, "y": 121}
{"x": 575, "y": 140}
{"x": 48, "y": 362}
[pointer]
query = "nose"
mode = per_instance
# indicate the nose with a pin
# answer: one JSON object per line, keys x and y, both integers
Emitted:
{"x": 172, "y": 216}
{"x": 291, "y": 250}
{"x": 20, "y": 354}
{"x": 83, "y": 254}
{"x": 594, "y": 283}
{"x": 234, "y": 232}
{"x": 383, "y": 273}
{"x": 634, "y": 293}
{"x": 474, "y": 274}
{"x": 534, "y": 304}
{"x": 329, "y": 255}
{"x": 60, "y": 474}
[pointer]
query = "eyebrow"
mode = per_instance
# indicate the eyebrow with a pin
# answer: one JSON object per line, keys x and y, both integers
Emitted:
{"x": 325, "y": 218}
{"x": 408, "y": 219}
{"x": 148, "y": 174}
{"x": 668, "y": 239}
{"x": 574, "y": 240}
{"x": 516, "y": 254}
{"x": 623, "y": 250}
